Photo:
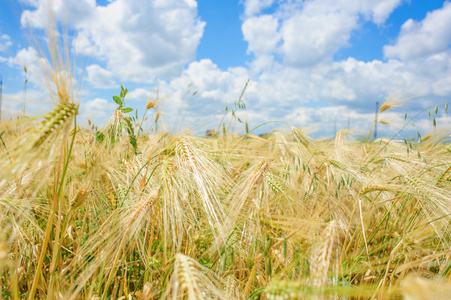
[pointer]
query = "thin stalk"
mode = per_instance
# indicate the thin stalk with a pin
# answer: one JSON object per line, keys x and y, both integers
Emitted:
{"x": 4, "y": 145}
{"x": 399, "y": 131}
{"x": 141, "y": 124}
{"x": 49, "y": 225}
{"x": 112, "y": 271}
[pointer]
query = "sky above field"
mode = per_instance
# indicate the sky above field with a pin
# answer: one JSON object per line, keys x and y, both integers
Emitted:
{"x": 318, "y": 64}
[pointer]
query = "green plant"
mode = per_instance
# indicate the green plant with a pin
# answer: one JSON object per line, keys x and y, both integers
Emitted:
{"x": 236, "y": 106}
{"x": 122, "y": 122}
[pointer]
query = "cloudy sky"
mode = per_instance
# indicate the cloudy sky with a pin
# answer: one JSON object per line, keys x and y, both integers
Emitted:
{"x": 319, "y": 64}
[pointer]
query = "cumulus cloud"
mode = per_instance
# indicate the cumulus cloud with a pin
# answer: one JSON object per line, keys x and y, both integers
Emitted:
{"x": 99, "y": 77}
{"x": 309, "y": 32}
{"x": 306, "y": 39}
{"x": 377, "y": 11}
{"x": 98, "y": 109}
{"x": 5, "y": 42}
{"x": 74, "y": 12}
{"x": 29, "y": 58}
{"x": 36, "y": 100}
{"x": 204, "y": 88}
{"x": 314, "y": 97}
{"x": 420, "y": 39}
{"x": 293, "y": 76}
{"x": 261, "y": 33}
{"x": 253, "y": 7}
{"x": 37, "y": 69}
{"x": 139, "y": 94}
{"x": 137, "y": 40}
{"x": 443, "y": 124}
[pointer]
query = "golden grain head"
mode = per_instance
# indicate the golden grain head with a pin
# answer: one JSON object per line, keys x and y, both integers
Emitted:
{"x": 300, "y": 137}
{"x": 385, "y": 122}
{"x": 323, "y": 256}
{"x": 373, "y": 188}
{"x": 3, "y": 251}
{"x": 80, "y": 198}
{"x": 56, "y": 119}
{"x": 151, "y": 104}
{"x": 385, "y": 106}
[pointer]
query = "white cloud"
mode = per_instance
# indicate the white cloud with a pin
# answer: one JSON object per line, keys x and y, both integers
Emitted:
{"x": 29, "y": 58}
{"x": 326, "y": 119}
{"x": 425, "y": 125}
{"x": 378, "y": 11}
{"x": 74, "y": 12}
{"x": 99, "y": 77}
{"x": 5, "y": 42}
{"x": 293, "y": 75}
{"x": 419, "y": 39}
{"x": 139, "y": 94}
{"x": 38, "y": 73}
{"x": 33, "y": 3}
{"x": 202, "y": 90}
{"x": 253, "y": 7}
{"x": 98, "y": 110}
{"x": 314, "y": 34}
{"x": 310, "y": 32}
{"x": 137, "y": 40}
{"x": 312, "y": 97}
{"x": 36, "y": 102}
{"x": 261, "y": 33}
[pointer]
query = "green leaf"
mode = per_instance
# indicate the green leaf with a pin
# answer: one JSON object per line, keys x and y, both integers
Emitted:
{"x": 123, "y": 92}
{"x": 285, "y": 247}
{"x": 99, "y": 137}
{"x": 117, "y": 100}
{"x": 131, "y": 134}
{"x": 266, "y": 250}
{"x": 127, "y": 110}
{"x": 268, "y": 268}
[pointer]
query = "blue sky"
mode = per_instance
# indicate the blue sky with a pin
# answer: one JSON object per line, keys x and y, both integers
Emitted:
{"x": 311, "y": 63}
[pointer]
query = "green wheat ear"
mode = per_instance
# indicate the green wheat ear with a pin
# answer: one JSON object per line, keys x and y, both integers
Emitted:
{"x": 60, "y": 116}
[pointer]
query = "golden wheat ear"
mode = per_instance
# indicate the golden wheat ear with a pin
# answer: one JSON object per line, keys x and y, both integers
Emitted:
{"x": 190, "y": 280}
{"x": 324, "y": 255}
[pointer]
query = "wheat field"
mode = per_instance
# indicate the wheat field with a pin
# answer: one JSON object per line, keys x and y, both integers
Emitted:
{"x": 115, "y": 213}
